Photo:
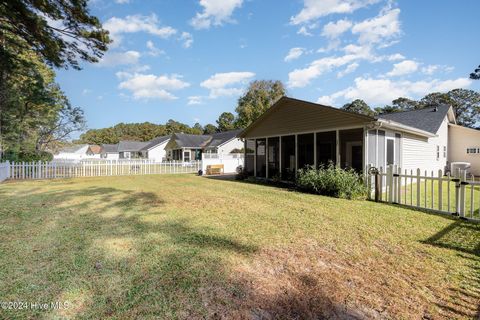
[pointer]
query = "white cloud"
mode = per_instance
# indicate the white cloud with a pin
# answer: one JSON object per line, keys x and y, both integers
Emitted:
{"x": 215, "y": 12}
{"x": 314, "y": 9}
{"x": 434, "y": 68}
{"x": 349, "y": 69}
{"x": 326, "y": 100}
{"x": 304, "y": 31}
{"x": 382, "y": 91}
{"x": 153, "y": 50}
{"x": 149, "y": 86}
{"x": 294, "y": 53}
{"x": 122, "y": 1}
{"x": 403, "y": 68}
{"x": 194, "y": 100}
{"x": 396, "y": 56}
{"x": 335, "y": 29}
{"x": 302, "y": 77}
{"x": 227, "y": 84}
{"x": 187, "y": 39}
{"x": 384, "y": 26}
{"x": 111, "y": 59}
{"x": 137, "y": 23}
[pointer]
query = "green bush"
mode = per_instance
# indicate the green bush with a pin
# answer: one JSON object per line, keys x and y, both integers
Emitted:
{"x": 27, "y": 156}
{"x": 332, "y": 181}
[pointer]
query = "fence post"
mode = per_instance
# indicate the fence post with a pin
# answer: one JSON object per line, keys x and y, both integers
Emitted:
{"x": 418, "y": 187}
{"x": 463, "y": 178}
{"x": 390, "y": 183}
{"x": 440, "y": 190}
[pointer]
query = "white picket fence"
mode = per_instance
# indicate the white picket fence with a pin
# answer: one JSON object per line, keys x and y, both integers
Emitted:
{"x": 434, "y": 191}
{"x": 4, "y": 171}
{"x": 97, "y": 168}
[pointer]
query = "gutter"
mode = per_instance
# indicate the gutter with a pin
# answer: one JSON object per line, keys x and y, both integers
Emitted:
{"x": 398, "y": 126}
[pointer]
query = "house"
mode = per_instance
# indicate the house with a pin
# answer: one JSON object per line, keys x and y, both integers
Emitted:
{"x": 94, "y": 152}
{"x": 187, "y": 147}
{"x": 132, "y": 150}
{"x": 294, "y": 133}
{"x": 464, "y": 146}
{"x": 155, "y": 148}
{"x": 109, "y": 152}
{"x": 76, "y": 152}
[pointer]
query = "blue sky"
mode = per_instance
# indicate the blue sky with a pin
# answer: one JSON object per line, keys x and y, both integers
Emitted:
{"x": 191, "y": 60}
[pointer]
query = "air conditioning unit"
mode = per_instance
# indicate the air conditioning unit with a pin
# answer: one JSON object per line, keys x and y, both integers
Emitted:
{"x": 456, "y": 167}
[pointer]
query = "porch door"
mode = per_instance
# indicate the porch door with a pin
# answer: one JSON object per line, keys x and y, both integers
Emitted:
{"x": 357, "y": 156}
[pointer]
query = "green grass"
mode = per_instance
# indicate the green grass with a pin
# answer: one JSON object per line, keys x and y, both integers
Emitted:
{"x": 429, "y": 197}
{"x": 181, "y": 246}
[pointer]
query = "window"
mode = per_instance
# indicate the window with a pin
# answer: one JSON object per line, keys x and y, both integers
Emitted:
{"x": 438, "y": 153}
{"x": 249, "y": 157}
{"x": 473, "y": 150}
{"x": 390, "y": 151}
{"x": 288, "y": 158}
{"x": 186, "y": 156}
{"x": 273, "y": 157}
{"x": 326, "y": 148}
{"x": 445, "y": 151}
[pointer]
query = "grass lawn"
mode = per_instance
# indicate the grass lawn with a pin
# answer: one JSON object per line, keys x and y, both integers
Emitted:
{"x": 181, "y": 246}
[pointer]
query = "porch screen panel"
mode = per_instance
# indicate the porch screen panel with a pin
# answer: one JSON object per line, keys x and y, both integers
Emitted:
{"x": 326, "y": 148}
{"x": 398, "y": 137}
{"x": 288, "y": 158}
{"x": 372, "y": 143}
{"x": 305, "y": 150}
{"x": 261, "y": 158}
{"x": 273, "y": 157}
{"x": 249, "y": 157}
{"x": 381, "y": 149}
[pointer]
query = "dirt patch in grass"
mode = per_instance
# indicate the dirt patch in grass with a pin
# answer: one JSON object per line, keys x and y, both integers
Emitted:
{"x": 310, "y": 282}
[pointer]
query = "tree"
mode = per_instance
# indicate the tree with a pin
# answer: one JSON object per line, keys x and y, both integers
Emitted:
{"x": 197, "y": 129}
{"x": 225, "y": 122}
{"x": 358, "y": 106}
{"x": 260, "y": 95}
{"x": 209, "y": 129}
{"x": 62, "y": 32}
{"x": 476, "y": 74}
{"x": 35, "y": 113}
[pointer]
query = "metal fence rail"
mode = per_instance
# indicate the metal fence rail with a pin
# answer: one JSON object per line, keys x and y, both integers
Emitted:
{"x": 435, "y": 191}
{"x": 54, "y": 170}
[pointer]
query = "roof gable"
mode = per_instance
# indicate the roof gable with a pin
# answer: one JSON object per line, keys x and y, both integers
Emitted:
{"x": 156, "y": 141}
{"x": 222, "y": 137}
{"x": 131, "y": 146}
{"x": 428, "y": 119}
{"x": 181, "y": 140}
{"x": 288, "y": 116}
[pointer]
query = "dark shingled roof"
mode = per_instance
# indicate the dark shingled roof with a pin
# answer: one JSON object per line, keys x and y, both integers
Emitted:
{"x": 191, "y": 140}
{"x": 156, "y": 141}
{"x": 222, "y": 137}
{"x": 131, "y": 146}
{"x": 424, "y": 119}
{"x": 109, "y": 148}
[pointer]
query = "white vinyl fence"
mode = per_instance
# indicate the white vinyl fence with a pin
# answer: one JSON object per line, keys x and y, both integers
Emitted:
{"x": 94, "y": 168}
{"x": 230, "y": 162}
{"x": 456, "y": 195}
{"x": 4, "y": 171}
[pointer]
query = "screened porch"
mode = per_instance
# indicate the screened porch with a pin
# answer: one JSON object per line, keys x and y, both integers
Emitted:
{"x": 279, "y": 157}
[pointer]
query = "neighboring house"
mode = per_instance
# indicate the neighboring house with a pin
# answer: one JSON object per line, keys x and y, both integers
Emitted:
{"x": 132, "y": 150}
{"x": 109, "y": 152}
{"x": 155, "y": 148}
{"x": 76, "y": 152}
{"x": 187, "y": 147}
{"x": 94, "y": 152}
{"x": 294, "y": 133}
{"x": 464, "y": 146}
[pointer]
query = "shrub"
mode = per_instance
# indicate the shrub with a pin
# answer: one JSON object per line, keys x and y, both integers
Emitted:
{"x": 332, "y": 181}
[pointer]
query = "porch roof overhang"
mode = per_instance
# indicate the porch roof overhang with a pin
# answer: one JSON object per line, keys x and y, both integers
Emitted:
{"x": 382, "y": 123}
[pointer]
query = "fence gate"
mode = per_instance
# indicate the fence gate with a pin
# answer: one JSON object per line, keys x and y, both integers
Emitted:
{"x": 435, "y": 191}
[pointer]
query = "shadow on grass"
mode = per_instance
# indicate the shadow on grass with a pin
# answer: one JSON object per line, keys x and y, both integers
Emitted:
{"x": 114, "y": 253}
{"x": 464, "y": 238}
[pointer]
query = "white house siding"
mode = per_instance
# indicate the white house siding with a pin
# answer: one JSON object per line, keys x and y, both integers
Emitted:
{"x": 421, "y": 152}
{"x": 77, "y": 155}
{"x": 111, "y": 156}
{"x": 461, "y": 138}
{"x": 158, "y": 153}
{"x": 226, "y": 148}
